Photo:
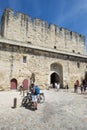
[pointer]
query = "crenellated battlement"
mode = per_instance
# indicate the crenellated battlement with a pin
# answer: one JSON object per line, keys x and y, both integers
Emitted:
{"x": 9, "y": 13}
{"x": 41, "y": 23}
{"x": 59, "y": 30}
{"x": 21, "y": 27}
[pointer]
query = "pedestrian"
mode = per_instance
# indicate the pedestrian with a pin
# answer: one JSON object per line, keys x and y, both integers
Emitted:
{"x": 57, "y": 86}
{"x": 67, "y": 87}
{"x": 84, "y": 85}
{"x": 34, "y": 96}
{"x": 81, "y": 88}
{"x": 76, "y": 85}
{"x": 21, "y": 89}
{"x": 51, "y": 85}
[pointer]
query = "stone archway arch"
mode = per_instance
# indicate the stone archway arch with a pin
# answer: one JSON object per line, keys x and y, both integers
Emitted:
{"x": 56, "y": 73}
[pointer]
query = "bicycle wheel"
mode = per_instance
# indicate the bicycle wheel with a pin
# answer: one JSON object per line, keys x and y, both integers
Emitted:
{"x": 41, "y": 98}
{"x": 30, "y": 103}
{"x": 24, "y": 101}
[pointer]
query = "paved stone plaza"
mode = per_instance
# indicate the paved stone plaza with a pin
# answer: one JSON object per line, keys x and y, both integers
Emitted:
{"x": 61, "y": 111}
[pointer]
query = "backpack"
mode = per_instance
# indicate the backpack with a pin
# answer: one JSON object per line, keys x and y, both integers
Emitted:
{"x": 37, "y": 90}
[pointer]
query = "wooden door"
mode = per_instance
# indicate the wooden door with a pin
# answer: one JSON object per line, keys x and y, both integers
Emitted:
{"x": 13, "y": 84}
{"x": 25, "y": 84}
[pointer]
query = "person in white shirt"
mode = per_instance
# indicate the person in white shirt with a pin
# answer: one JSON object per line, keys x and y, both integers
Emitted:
{"x": 57, "y": 86}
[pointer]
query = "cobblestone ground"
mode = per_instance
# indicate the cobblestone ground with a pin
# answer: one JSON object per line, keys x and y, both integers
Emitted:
{"x": 61, "y": 111}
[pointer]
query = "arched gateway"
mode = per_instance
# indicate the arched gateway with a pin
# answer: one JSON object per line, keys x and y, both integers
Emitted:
{"x": 56, "y": 74}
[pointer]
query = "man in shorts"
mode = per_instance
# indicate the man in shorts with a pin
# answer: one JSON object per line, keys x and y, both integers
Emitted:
{"x": 34, "y": 97}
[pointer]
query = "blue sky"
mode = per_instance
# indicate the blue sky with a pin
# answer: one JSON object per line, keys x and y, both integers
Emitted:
{"x": 70, "y": 14}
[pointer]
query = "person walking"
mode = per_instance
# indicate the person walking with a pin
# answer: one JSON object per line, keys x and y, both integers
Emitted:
{"x": 67, "y": 87}
{"x": 81, "y": 88}
{"x": 76, "y": 85}
{"x": 84, "y": 82}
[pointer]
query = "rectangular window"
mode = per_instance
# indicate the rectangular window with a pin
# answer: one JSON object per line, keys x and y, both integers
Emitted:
{"x": 78, "y": 64}
{"x": 54, "y": 47}
{"x": 24, "y": 59}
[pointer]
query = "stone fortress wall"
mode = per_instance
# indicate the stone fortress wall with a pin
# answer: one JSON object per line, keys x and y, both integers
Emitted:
{"x": 21, "y": 27}
{"x": 48, "y": 49}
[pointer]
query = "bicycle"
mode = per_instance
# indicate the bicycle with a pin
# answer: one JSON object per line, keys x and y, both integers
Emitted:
{"x": 27, "y": 100}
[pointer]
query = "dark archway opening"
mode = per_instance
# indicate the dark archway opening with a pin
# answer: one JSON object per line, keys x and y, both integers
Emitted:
{"x": 54, "y": 79}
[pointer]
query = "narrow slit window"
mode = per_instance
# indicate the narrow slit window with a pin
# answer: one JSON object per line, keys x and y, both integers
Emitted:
{"x": 73, "y": 51}
{"x": 54, "y": 47}
{"x": 78, "y": 64}
{"x": 24, "y": 59}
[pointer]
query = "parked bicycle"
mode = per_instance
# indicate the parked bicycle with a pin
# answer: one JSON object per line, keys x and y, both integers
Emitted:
{"x": 27, "y": 100}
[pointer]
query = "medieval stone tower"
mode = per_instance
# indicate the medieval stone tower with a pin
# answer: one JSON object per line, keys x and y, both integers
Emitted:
{"x": 33, "y": 50}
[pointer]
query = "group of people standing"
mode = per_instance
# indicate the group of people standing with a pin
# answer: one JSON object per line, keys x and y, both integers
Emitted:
{"x": 55, "y": 85}
{"x": 82, "y": 86}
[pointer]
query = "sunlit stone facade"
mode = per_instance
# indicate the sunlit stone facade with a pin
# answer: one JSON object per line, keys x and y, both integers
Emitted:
{"x": 34, "y": 50}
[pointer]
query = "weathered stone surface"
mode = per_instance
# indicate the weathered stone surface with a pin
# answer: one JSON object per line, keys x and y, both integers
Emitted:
{"x": 42, "y": 46}
{"x": 61, "y": 110}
